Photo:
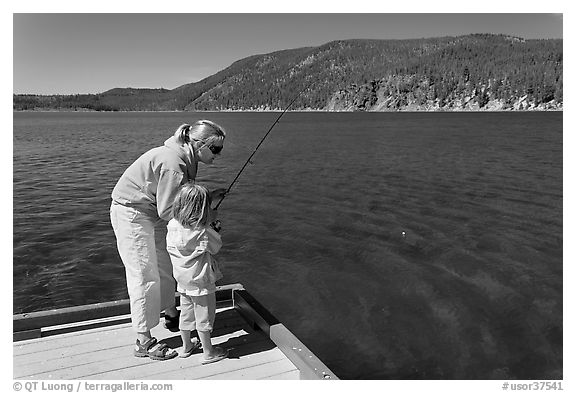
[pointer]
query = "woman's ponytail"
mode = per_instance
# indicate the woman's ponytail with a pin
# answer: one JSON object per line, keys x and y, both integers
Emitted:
{"x": 182, "y": 134}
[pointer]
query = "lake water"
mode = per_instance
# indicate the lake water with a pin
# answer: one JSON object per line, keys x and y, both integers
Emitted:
{"x": 313, "y": 229}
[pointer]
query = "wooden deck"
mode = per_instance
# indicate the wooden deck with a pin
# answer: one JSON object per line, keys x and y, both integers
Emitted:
{"x": 104, "y": 351}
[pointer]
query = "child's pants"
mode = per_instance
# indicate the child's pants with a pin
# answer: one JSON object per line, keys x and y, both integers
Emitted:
{"x": 141, "y": 243}
{"x": 197, "y": 312}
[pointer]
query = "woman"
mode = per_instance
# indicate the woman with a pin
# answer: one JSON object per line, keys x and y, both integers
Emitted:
{"x": 141, "y": 208}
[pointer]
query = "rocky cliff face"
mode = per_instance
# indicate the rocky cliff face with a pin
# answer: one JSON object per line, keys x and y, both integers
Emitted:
{"x": 376, "y": 96}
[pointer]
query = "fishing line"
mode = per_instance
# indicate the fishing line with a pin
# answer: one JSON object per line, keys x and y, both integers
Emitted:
{"x": 248, "y": 161}
{"x": 216, "y": 224}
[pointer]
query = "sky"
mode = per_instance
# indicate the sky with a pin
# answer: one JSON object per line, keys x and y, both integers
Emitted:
{"x": 80, "y": 53}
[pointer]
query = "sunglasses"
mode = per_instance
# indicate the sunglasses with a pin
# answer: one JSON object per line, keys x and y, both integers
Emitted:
{"x": 214, "y": 149}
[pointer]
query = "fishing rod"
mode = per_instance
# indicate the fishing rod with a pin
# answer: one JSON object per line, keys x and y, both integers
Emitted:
{"x": 260, "y": 143}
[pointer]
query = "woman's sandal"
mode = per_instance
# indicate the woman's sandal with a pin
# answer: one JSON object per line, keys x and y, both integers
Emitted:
{"x": 172, "y": 323}
{"x": 195, "y": 345}
{"x": 160, "y": 352}
{"x": 220, "y": 354}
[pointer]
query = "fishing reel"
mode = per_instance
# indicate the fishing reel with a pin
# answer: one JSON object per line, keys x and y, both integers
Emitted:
{"x": 216, "y": 225}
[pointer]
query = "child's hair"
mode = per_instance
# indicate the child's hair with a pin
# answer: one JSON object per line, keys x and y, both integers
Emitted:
{"x": 192, "y": 205}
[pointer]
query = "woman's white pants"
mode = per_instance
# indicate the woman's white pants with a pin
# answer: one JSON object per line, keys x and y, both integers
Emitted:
{"x": 141, "y": 242}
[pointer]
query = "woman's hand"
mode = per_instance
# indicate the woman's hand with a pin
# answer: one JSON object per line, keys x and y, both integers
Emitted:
{"x": 217, "y": 193}
{"x": 214, "y": 222}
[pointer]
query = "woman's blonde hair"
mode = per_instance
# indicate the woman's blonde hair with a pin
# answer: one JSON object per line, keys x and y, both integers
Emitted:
{"x": 192, "y": 205}
{"x": 203, "y": 130}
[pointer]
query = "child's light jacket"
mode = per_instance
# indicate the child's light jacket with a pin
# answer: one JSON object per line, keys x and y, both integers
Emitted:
{"x": 191, "y": 251}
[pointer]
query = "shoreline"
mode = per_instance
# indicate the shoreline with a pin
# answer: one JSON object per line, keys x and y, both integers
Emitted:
{"x": 292, "y": 111}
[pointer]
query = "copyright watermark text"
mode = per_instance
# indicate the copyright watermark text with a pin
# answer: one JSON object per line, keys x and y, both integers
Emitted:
{"x": 535, "y": 386}
{"x": 85, "y": 386}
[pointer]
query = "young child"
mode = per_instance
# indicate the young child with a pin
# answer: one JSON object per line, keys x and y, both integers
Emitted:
{"x": 191, "y": 243}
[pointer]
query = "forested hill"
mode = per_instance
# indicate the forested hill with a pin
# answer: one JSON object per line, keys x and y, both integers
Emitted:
{"x": 472, "y": 72}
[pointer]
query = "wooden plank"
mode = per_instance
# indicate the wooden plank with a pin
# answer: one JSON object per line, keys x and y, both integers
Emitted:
{"x": 289, "y": 375}
{"x": 68, "y": 337}
{"x": 309, "y": 365}
{"x": 259, "y": 371}
{"x": 37, "y": 320}
{"x": 253, "y": 312}
{"x": 113, "y": 335}
{"x": 78, "y": 356}
{"x": 196, "y": 370}
{"x": 109, "y": 344}
{"x": 26, "y": 334}
{"x": 54, "y": 350}
{"x": 187, "y": 368}
{"x": 241, "y": 347}
{"x": 29, "y": 370}
{"x": 84, "y": 325}
{"x": 126, "y": 366}
{"x": 246, "y": 344}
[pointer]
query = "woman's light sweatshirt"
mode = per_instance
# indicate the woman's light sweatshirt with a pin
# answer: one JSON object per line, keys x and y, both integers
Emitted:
{"x": 152, "y": 181}
{"x": 191, "y": 252}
